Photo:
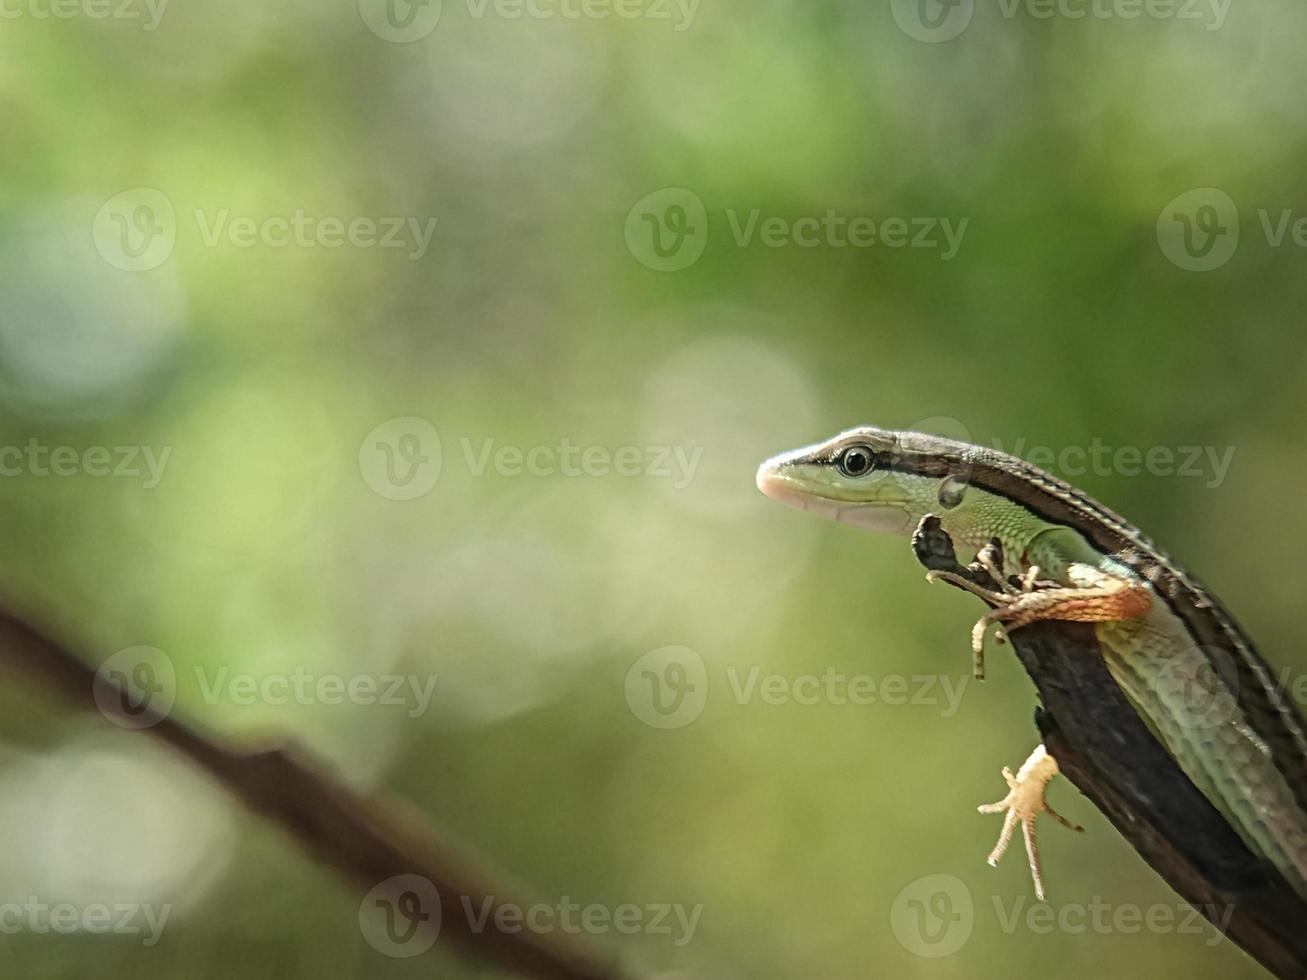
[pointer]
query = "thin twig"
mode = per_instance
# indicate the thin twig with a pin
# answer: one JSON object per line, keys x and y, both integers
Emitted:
{"x": 369, "y": 840}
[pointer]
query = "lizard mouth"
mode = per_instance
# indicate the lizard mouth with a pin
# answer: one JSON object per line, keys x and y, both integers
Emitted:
{"x": 776, "y": 485}
{"x": 882, "y": 516}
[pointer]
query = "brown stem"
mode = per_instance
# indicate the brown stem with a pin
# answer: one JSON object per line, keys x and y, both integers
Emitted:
{"x": 369, "y": 840}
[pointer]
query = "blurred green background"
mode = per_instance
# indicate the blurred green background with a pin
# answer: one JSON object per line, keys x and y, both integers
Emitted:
{"x": 340, "y": 495}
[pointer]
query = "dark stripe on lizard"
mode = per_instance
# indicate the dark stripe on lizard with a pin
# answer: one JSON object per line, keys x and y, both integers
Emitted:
{"x": 1272, "y": 716}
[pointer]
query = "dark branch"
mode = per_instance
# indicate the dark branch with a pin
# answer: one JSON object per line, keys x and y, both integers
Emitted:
{"x": 1103, "y": 746}
{"x": 368, "y": 840}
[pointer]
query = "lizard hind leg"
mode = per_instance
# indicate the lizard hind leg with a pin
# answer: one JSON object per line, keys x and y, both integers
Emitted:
{"x": 1023, "y": 803}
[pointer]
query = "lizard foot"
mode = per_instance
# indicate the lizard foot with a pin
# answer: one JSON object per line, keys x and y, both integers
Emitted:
{"x": 1023, "y": 803}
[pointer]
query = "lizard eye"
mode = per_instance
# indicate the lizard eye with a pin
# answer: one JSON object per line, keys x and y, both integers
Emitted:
{"x": 856, "y": 461}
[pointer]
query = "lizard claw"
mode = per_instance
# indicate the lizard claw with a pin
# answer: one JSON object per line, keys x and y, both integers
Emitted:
{"x": 1023, "y": 803}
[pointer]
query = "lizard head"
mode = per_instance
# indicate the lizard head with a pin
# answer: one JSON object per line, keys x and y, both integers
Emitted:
{"x": 873, "y": 478}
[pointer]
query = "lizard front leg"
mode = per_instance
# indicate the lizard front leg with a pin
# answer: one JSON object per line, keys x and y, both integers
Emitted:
{"x": 1094, "y": 596}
